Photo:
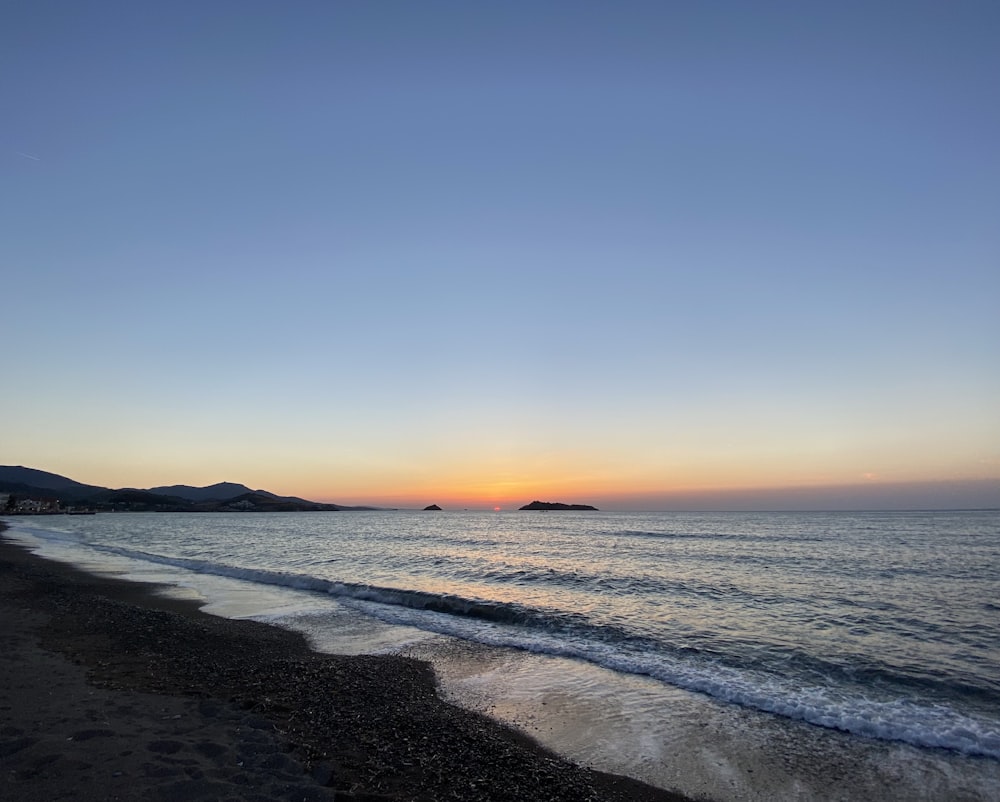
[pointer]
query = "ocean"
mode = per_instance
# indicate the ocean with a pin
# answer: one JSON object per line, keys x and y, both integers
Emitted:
{"x": 732, "y": 655}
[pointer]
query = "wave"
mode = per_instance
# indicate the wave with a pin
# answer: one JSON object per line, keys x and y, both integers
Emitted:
{"x": 494, "y": 623}
{"x": 448, "y": 604}
{"x": 837, "y": 703}
{"x": 924, "y": 725}
{"x": 626, "y": 586}
{"x": 708, "y": 535}
{"x": 920, "y": 724}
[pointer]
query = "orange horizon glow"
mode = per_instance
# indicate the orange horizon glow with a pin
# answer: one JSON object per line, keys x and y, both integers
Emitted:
{"x": 864, "y": 493}
{"x": 497, "y": 318}
{"x": 609, "y": 485}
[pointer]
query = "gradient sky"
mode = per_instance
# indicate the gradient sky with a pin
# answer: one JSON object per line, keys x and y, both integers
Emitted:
{"x": 645, "y": 255}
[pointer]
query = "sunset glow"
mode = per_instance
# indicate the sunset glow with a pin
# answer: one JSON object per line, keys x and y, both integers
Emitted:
{"x": 637, "y": 258}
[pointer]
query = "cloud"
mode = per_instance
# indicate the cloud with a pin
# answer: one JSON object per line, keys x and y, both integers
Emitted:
{"x": 28, "y": 156}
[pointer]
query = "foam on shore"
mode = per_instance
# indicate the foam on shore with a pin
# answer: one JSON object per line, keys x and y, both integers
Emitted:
{"x": 359, "y": 725}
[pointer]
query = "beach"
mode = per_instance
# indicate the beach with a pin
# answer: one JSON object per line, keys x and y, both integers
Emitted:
{"x": 112, "y": 691}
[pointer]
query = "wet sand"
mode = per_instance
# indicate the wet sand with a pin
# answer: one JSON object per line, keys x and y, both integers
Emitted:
{"x": 111, "y": 691}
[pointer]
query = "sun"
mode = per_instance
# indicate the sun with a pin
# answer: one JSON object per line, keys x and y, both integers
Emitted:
{"x": 496, "y": 509}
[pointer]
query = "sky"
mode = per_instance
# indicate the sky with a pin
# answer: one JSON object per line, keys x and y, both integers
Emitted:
{"x": 643, "y": 255}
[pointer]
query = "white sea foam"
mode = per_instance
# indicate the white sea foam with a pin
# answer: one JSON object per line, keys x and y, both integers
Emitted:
{"x": 901, "y": 719}
{"x": 885, "y": 712}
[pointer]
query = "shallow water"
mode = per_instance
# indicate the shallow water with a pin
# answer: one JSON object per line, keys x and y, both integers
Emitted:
{"x": 738, "y": 656}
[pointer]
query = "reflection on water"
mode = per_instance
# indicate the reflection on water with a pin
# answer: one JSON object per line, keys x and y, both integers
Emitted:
{"x": 880, "y": 624}
{"x": 686, "y": 742}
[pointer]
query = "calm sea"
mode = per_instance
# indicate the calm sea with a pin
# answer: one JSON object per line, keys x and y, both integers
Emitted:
{"x": 872, "y": 632}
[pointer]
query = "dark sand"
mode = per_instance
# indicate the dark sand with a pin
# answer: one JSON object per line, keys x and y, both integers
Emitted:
{"x": 110, "y": 691}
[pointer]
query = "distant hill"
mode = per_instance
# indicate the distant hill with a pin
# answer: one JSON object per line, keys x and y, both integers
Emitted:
{"x": 131, "y": 498}
{"x": 32, "y": 482}
{"x": 556, "y": 505}
{"x": 223, "y": 491}
{"x": 29, "y": 483}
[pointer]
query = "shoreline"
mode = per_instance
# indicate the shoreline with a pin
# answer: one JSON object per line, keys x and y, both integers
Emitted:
{"x": 95, "y": 662}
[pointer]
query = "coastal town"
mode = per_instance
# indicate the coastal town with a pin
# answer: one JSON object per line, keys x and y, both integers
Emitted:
{"x": 12, "y": 504}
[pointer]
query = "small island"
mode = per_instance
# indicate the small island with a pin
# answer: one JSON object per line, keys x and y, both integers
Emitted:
{"x": 555, "y": 505}
{"x": 432, "y": 507}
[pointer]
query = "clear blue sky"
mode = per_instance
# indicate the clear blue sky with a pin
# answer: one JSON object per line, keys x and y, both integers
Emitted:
{"x": 649, "y": 254}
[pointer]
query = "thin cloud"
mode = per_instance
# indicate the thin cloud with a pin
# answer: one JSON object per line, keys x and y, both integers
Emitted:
{"x": 28, "y": 156}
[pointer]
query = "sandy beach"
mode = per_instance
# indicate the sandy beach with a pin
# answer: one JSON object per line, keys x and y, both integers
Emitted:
{"x": 114, "y": 692}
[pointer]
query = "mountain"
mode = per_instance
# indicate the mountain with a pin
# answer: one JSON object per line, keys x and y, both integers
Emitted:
{"x": 32, "y": 482}
{"x": 29, "y": 483}
{"x": 130, "y": 498}
{"x": 222, "y": 491}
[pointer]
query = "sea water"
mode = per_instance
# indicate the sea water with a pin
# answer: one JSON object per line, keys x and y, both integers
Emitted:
{"x": 731, "y": 655}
